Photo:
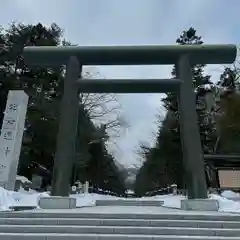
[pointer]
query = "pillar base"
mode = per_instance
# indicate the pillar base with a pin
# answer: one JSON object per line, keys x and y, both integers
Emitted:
{"x": 200, "y": 204}
{"x": 55, "y": 202}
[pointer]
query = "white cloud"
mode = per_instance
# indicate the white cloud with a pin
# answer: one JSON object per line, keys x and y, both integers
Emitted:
{"x": 132, "y": 22}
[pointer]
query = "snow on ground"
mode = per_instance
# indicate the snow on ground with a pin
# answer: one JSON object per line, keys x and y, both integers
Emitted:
{"x": 22, "y": 179}
{"x": 228, "y": 201}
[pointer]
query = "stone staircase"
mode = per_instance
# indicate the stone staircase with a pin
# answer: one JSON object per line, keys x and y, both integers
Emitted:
{"x": 71, "y": 225}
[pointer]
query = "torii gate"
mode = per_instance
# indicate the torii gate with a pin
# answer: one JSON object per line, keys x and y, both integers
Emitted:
{"x": 184, "y": 56}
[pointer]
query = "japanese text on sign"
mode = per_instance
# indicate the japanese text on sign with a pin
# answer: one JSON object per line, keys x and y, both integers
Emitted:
{"x": 2, "y": 168}
{"x": 6, "y": 151}
{"x": 8, "y": 135}
{"x": 9, "y": 123}
{"x": 12, "y": 107}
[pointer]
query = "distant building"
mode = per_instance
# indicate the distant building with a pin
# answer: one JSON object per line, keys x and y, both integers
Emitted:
{"x": 229, "y": 178}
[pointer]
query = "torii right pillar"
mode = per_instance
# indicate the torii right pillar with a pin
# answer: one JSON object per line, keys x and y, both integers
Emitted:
{"x": 190, "y": 135}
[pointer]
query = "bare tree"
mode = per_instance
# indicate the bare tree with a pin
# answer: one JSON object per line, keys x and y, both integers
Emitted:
{"x": 103, "y": 108}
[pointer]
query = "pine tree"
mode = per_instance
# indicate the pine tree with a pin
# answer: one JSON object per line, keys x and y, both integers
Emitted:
{"x": 227, "y": 111}
{"x": 44, "y": 87}
{"x": 102, "y": 171}
{"x": 169, "y": 160}
{"x": 202, "y": 86}
{"x": 41, "y": 85}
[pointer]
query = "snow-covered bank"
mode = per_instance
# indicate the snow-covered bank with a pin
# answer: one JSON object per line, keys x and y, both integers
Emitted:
{"x": 228, "y": 201}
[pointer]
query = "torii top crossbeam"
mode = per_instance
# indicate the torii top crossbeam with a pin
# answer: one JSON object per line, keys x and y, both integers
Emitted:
{"x": 130, "y": 55}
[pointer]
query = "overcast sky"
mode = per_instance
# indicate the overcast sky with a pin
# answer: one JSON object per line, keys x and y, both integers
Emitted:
{"x": 128, "y": 22}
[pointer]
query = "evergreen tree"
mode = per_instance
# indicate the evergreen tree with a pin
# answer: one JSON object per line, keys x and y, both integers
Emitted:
{"x": 168, "y": 161}
{"x": 44, "y": 87}
{"x": 102, "y": 170}
{"x": 201, "y": 84}
{"x": 227, "y": 113}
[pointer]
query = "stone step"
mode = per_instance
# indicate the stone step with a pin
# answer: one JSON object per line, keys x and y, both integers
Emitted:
{"x": 120, "y": 222}
{"x": 121, "y": 202}
{"x": 147, "y": 216}
{"x": 57, "y": 236}
{"x": 180, "y": 231}
{"x": 22, "y": 208}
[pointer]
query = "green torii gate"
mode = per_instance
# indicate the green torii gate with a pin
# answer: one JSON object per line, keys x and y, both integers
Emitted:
{"x": 184, "y": 57}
